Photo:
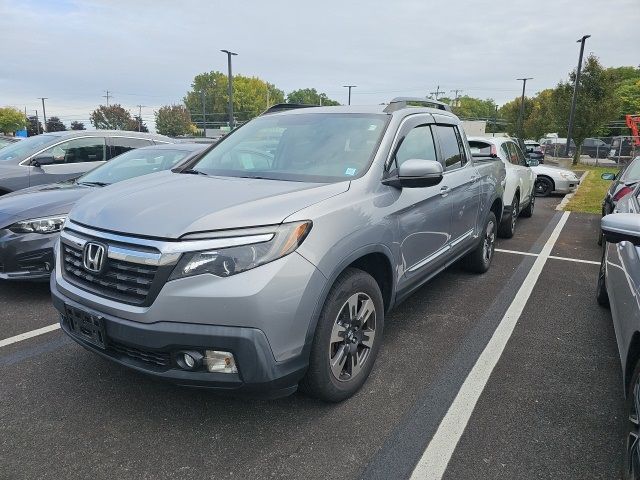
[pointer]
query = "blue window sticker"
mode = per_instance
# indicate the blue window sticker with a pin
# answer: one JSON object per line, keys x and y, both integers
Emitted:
{"x": 350, "y": 171}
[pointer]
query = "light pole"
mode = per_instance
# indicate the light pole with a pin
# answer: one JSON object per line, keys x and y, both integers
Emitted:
{"x": 521, "y": 116}
{"x": 140, "y": 116}
{"x": 575, "y": 94}
{"x": 230, "y": 88}
{"x": 349, "y": 87}
{"x": 44, "y": 113}
{"x": 204, "y": 114}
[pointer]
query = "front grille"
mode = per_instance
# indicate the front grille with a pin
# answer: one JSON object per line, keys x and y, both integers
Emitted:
{"x": 160, "y": 359}
{"x": 120, "y": 280}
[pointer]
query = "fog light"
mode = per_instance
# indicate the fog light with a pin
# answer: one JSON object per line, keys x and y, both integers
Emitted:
{"x": 190, "y": 360}
{"x": 220, "y": 362}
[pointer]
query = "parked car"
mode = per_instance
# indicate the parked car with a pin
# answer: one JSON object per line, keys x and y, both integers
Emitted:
{"x": 7, "y": 140}
{"x": 622, "y": 148}
{"x": 622, "y": 183}
{"x": 31, "y": 219}
{"x": 534, "y": 151}
{"x": 595, "y": 148}
{"x": 618, "y": 288}
{"x": 252, "y": 270}
{"x": 519, "y": 195}
{"x": 553, "y": 179}
{"x": 53, "y": 157}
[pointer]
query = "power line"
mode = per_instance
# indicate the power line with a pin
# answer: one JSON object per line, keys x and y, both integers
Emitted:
{"x": 107, "y": 97}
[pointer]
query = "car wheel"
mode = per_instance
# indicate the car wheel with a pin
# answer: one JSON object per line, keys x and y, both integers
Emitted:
{"x": 601, "y": 290}
{"x": 347, "y": 338}
{"x": 543, "y": 186}
{"x": 527, "y": 212}
{"x": 508, "y": 225}
{"x": 632, "y": 432}
{"x": 479, "y": 260}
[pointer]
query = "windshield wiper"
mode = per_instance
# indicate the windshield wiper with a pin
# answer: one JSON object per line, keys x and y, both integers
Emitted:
{"x": 192, "y": 171}
{"x": 94, "y": 184}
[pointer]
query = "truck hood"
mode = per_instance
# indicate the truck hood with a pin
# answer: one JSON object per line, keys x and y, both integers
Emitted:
{"x": 40, "y": 201}
{"x": 170, "y": 205}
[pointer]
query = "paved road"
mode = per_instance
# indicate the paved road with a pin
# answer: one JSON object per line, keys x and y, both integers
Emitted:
{"x": 552, "y": 408}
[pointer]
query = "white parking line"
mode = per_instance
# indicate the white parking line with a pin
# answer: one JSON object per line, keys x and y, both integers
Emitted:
{"x": 31, "y": 334}
{"x": 435, "y": 458}
{"x": 553, "y": 257}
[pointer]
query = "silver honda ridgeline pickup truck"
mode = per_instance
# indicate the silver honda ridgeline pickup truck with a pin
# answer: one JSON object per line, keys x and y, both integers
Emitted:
{"x": 270, "y": 260}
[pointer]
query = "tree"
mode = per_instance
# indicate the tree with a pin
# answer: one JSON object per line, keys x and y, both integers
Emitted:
{"x": 54, "y": 124}
{"x": 11, "y": 120}
{"x": 251, "y": 96}
{"x": 139, "y": 124}
{"x": 470, "y": 107}
{"x": 310, "y": 96}
{"x": 77, "y": 125}
{"x": 34, "y": 126}
{"x": 173, "y": 120}
{"x": 113, "y": 117}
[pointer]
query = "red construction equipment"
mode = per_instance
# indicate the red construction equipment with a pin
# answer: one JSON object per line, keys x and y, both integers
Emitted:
{"x": 633, "y": 122}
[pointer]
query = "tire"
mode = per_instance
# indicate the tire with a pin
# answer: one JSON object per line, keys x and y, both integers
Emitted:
{"x": 527, "y": 212}
{"x": 508, "y": 225}
{"x": 601, "y": 289}
{"x": 543, "y": 187}
{"x": 340, "y": 337}
{"x": 631, "y": 465}
{"x": 479, "y": 260}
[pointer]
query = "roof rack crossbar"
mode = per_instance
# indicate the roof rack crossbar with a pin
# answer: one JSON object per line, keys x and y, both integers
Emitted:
{"x": 279, "y": 107}
{"x": 402, "y": 102}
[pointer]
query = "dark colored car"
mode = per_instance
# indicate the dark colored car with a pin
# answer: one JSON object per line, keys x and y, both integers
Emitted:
{"x": 534, "y": 151}
{"x": 7, "y": 140}
{"x": 618, "y": 288}
{"x": 53, "y": 157}
{"x": 595, "y": 148}
{"x": 31, "y": 218}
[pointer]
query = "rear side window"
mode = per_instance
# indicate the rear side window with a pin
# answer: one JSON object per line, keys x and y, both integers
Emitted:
{"x": 121, "y": 145}
{"x": 513, "y": 153}
{"x": 480, "y": 147}
{"x": 78, "y": 150}
{"x": 417, "y": 144}
{"x": 451, "y": 146}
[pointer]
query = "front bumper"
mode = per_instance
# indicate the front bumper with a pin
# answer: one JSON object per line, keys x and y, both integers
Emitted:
{"x": 26, "y": 256}
{"x": 566, "y": 186}
{"x": 151, "y": 349}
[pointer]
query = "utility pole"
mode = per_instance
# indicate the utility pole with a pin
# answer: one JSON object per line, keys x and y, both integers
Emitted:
{"x": 37, "y": 123}
{"x": 437, "y": 92}
{"x": 44, "y": 112}
{"x": 268, "y": 102}
{"x": 521, "y": 116}
{"x": 107, "y": 96}
{"x": 455, "y": 100}
{"x": 495, "y": 121}
{"x": 575, "y": 95}
{"x": 230, "y": 88}
{"x": 140, "y": 116}
{"x": 349, "y": 87}
{"x": 204, "y": 114}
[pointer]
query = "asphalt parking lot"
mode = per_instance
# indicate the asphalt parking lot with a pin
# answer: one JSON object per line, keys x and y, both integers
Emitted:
{"x": 552, "y": 407}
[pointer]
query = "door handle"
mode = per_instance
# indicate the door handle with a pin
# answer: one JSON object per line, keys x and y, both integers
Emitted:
{"x": 444, "y": 190}
{"x": 475, "y": 178}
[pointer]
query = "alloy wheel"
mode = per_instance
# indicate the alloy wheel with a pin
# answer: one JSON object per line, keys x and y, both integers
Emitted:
{"x": 514, "y": 213}
{"x": 633, "y": 439}
{"x": 489, "y": 241}
{"x": 352, "y": 337}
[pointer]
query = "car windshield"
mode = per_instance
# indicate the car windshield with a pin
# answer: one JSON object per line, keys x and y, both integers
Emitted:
{"x": 133, "y": 164}
{"x": 305, "y": 147}
{"x": 26, "y": 147}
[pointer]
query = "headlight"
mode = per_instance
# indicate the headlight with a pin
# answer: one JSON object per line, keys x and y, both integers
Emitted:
{"x": 224, "y": 262}
{"x": 39, "y": 225}
{"x": 568, "y": 176}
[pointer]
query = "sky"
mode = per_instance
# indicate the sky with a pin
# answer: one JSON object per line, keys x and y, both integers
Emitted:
{"x": 147, "y": 52}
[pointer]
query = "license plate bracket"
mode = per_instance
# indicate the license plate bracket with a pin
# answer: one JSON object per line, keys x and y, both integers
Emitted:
{"x": 87, "y": 326}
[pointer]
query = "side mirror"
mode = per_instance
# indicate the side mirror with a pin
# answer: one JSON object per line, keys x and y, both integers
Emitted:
{"x": 608, "y": 176}
{"x": 416, "y": 173}
{"x": 41, "y": 160}
{"x": 621, "y": 227}
{"x": 484, "y": 155}
{"x": 533, "y": 162}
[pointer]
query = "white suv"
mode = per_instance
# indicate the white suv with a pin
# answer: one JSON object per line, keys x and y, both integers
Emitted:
{"x": 519, "y": 195}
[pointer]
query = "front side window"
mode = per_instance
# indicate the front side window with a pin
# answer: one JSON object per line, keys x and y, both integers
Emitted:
{"x": 513, "y": 153}
{"x": 24, "y": 148}
{"x": 303, "y": 147}
{"x": 450, "y": 146}
{"x": 520, "y": 158}
{"x": 417, "y": 144}
{"x": 78, "y": 150}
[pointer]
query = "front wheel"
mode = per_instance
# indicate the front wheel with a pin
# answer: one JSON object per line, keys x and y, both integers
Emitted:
{"x": 347, "y": 338}
{"x": 601, "y": 289}
{"x": 479, "y": 260}
{"x": 543, "y": 187}
{"x": 632, "y": 432}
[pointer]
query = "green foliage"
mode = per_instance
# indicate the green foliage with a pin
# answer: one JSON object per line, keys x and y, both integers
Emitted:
{"x": 34, "y": 126}
{"x": 113, "y": 117}
{"x": 54, "y": 124}
{"x": 11, "y": 120}
{"x": 310, "y": 96}
{"x": 77, "y": 125}
{"x": 173, "y": 120}
{"x": 628, "y": 92}
{"x": 139, "y": 124}
{"x": 469, "y": 107}
{"x": 251, "y": 96}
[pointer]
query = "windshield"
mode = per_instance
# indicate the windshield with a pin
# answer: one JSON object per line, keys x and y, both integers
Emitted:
{"x": 313, "y": 147}
{"x": 26, "y": 147}
{"x": 133, "y": 164}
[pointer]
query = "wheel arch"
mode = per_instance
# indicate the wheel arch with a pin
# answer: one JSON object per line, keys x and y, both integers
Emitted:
{"x": 497, "y": 209}
{"x": 548, "y": 178}
{"x": 633, "y": 356}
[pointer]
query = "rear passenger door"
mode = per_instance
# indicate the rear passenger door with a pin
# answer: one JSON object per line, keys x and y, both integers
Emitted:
{"x": 119, "y": 145}
{"x": 461, "y": 183}
{"x": 524, "y": 172}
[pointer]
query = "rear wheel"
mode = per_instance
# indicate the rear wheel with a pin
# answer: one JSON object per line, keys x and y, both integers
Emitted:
{"x": 508, "y": 225}
{"x": 347, "y": 339}
{"x": 543, "y": 187}
{"x": 479, "y": 260}
{"x": 601, "y": 290}
{"x": 527, "y": 212}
